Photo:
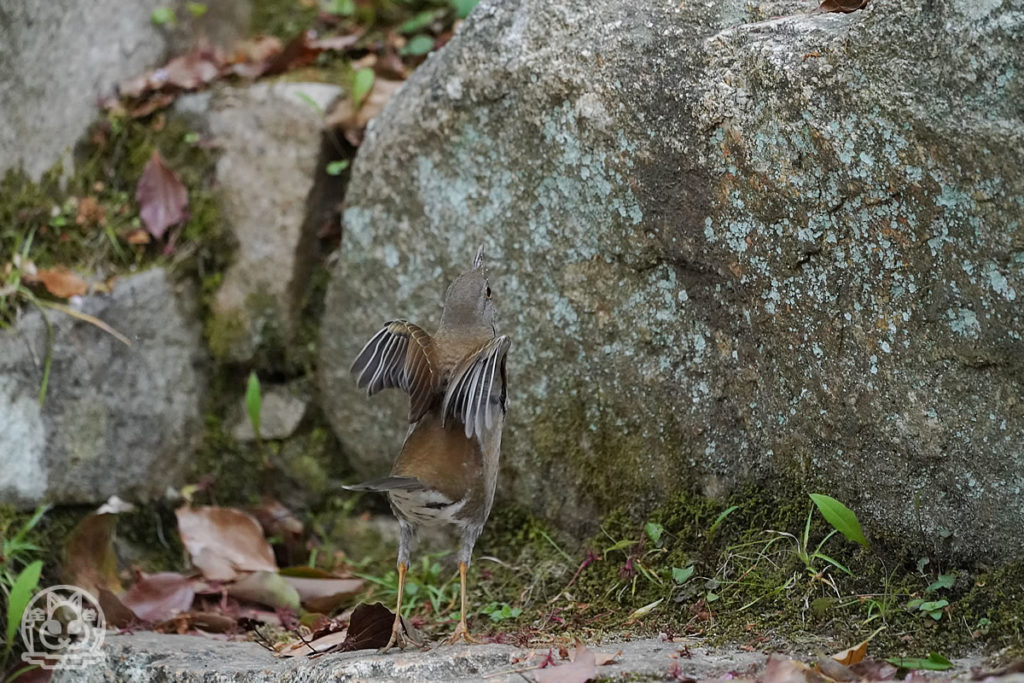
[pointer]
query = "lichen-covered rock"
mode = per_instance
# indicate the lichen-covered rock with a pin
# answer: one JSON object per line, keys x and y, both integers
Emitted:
{"x": 57, "y": 59}
{"x": 724, "y": 246}
{"x": 117, "y": 419}
{"x": 269, "y": 139}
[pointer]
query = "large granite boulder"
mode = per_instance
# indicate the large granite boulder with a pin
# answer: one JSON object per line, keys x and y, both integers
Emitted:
{"x": 117, "y": 419}
{"x": 726, "y": 246}
{"x": 59, "y": 58}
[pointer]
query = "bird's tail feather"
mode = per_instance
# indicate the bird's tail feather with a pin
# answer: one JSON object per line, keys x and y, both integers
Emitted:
{"x": 387, "y": 484}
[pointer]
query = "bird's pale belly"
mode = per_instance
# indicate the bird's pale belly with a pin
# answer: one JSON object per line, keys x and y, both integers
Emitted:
{"x": 426, "y": 507}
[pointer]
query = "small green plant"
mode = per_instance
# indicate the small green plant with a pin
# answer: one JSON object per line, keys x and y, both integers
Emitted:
{"x": 164, "y": 16}
{"x": 934, "y": 608}
{"x": 335, "y": 168}
{"x": 681, "y": 575}
{"x": 19, "y": 578}
{"x": 809, "y": 557}
{"x": 341, "y": 8}
{"x": 196, "y": 9}
{"x": 418, "y": 45}
{"x": 362, "y": 84}
{"x": 423, "y": 586}
{"x": 654, "y": 532}
{"x": 501, "y": 612}
{"x": 934, "y": 662}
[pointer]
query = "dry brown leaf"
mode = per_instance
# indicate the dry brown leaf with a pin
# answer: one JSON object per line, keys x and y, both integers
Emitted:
{"x": 369, "y": 628}
{"x": 297, "y": 52}
{"x": 161, "y": 195}
{"x": 834, "y": 670}
{"x": 844, "y": 6}
{"x": 159, "y": 596}
{"x": 61, "y": 282}
{"x": 90, "y": 213}
{"x": 210, "y": 622}
{"x": 115, "y": 612}
{"x": 581, "y": 669}
{"x": 190, "y": 71}
{"x": 138, "y": 236}
{"x": 351, "y": 121}
{"x": 856, "y": 653}
{"x": 151, "y": 104}
{"x": 276, "y": 519}
{"x": 322, "y": 644}
{"x": 874, "y": 670}
{"x": 224, "y": 542}
{"x": 258, "y": 49}
{"x": 785, "y": 670}
{"x": 89, "y": 558}
{"x": 336, "y": 42}
{"x": 605, "y": 658}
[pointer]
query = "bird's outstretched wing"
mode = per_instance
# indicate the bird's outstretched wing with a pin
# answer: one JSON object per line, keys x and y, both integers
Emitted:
{"x": 400, "y": 355}
{"x": 476, "y": 390}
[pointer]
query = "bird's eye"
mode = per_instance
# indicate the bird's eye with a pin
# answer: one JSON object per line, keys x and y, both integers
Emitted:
{"x": 488, "y": 293}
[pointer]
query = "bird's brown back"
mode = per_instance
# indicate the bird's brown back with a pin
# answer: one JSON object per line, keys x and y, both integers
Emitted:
{"x": 443, "y": 458}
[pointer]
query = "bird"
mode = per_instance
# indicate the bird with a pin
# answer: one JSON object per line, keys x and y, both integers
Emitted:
{"x": 447, "y": 469}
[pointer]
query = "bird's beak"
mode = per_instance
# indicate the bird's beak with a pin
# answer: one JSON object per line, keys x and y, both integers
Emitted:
{"x": 478, "y": 260}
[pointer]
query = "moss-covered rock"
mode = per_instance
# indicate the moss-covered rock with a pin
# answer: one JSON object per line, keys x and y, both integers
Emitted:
{"x": 767, "y": 252}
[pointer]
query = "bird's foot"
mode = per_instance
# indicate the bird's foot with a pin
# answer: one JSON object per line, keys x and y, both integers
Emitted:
{"x": 400, "y": 638}
{"x": 462, "y": 633}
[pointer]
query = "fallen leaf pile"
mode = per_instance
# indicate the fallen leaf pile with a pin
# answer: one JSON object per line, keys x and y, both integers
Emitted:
{"x": 236, "y": 586}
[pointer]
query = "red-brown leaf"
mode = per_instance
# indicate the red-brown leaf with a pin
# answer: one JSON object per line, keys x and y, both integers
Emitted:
{"x": 159, "y": 596}
{"x": 224, "y": 542}
{"x": 162, "y": 197}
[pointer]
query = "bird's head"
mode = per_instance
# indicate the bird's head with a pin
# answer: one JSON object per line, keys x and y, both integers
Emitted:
{"x": 468, "y": 300}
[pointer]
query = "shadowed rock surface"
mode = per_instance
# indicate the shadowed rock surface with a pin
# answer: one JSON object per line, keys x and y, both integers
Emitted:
{"x": 117, "y": 419}
{"x": 725, "y": 246}
{"x": 269, "y": 144}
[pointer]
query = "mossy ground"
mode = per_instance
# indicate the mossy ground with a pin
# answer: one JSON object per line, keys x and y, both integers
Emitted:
{"x": 83, "y": 220}
{"x": 748, "y": 584}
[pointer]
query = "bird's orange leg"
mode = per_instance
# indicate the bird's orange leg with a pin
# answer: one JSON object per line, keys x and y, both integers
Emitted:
{"x": 462, "y": 631}
{"x": 399, "y": 638}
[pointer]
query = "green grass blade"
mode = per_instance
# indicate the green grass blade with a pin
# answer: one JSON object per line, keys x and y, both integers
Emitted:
{"x": 833, "y": 563}
{"x": 254, "y": 402}
{"x": 721, "y": 518}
